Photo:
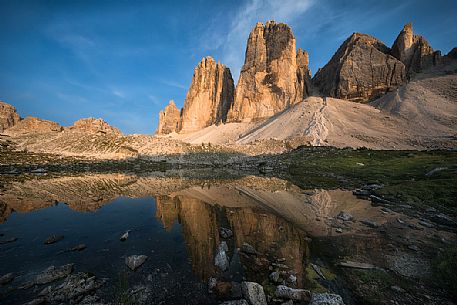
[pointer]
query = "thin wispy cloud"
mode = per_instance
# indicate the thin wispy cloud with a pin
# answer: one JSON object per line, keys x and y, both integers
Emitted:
{"x": 174, "y": 84}
{"x": 245, "y": 19}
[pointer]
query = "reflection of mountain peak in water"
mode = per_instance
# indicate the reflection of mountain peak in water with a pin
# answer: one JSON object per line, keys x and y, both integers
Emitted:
{"x": 90, "y": 192}
{"x": 271, "y": 235}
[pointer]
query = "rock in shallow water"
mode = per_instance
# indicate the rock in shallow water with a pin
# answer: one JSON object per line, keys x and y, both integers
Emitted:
{"x": 221, "y": 260}
{"x": 53, "y": 239}
{"x": 225, "y": 233}
{"x": 253, "y": 292}
{"x": 73, "y": 288}
{"x": 135, "y": 261}
{"x": 285, "y": 292}
{"x": 7, "y": 278}
{"x": 247, "y": 248}
{"x": 345, "y": 216}
{"x": 125, "y": 236}
{"x": 326, "y": 299}
{"x": 235, "y": 302}
{"x": 52, "y": 273}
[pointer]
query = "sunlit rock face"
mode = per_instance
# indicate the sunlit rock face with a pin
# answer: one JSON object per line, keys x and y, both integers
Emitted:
{"x": 414, "y": 51}
{"x": 8, "y": 116}
{"x": 169, "y": 119}
{"x": 209, "y": 98}
{"x": 361, "y": 70}
{"x": 268, "y": 81}
{"x": 31, "y": 125}
{"x": 92, "y": 125}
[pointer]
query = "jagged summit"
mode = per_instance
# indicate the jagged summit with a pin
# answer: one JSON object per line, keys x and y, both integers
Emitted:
{"x": 268, "y": 81}
{"x": 414, "y": 51}
{"x": 360, "y": 70}
{"x": 209, "y": 98}
{"x": 169, "y": 119}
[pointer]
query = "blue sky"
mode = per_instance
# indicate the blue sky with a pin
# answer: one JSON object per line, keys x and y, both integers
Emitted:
{"x": 123, "y": 60}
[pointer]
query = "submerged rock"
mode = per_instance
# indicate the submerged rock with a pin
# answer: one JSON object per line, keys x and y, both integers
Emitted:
{"x": 52, "y": 273}
{"x": 225, "y": 233}
{"x": 7, "y": 278}
{"x": 370, "y": 223}
{"x": 79, "y": 247}
{"x": 8, "y": 240}
{"x": 285, "y": 292}
{"x": 135, "y": 261}
{"x": 37, "y": 301}
{"x": 235, "y": 302}
{"x": 53, "y": 239}
{"x": 357, "y": 265}
{"x": 254, "y": 293}
{"x": 221, "y": 259}
{"x": 247, "y": 248}
{"x": 345, "y": 216}
{"x": 326, "y": 299}
{"x": 74, "y": 288}
{"x": 275, "y": 277}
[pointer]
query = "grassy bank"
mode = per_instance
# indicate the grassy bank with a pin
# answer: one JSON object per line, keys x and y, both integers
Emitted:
{"x": 420, "y": 178}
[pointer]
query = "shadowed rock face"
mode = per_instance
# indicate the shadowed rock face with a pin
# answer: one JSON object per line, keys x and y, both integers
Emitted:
{"x": 360, "y": 70}
{"x": 8, "y": 116}
{"x": 169, "y": 119}
{"x": 209, "y": 98}
{"x": 268, "y": 79}
{"x": 33, "y": 126}
{"x": 414, "y": 51}
{"x": 304, "y": 86}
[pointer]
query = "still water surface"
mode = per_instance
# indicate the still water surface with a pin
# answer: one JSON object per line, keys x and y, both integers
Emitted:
{"x": 176, "y": 223}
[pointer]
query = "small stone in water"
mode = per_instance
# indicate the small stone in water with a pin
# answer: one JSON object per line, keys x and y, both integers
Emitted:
{"x": 135, "y": 261}
{"x": 125, "y": 236}
{"x": 53, "y": 239}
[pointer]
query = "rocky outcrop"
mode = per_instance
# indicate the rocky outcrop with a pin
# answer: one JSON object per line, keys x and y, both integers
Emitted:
{"x": 414, "y": 51}
{"x": 361, "y": 70}
{"x": 32, "y": 125}
{"x": 8, "y": 116}
{"x": 169, "y": 119}
{"x": 209, "y": 98}
{"x": 96, "y": 126}
{"x": 304, "y": 85}
{"x": 268, "y": 79}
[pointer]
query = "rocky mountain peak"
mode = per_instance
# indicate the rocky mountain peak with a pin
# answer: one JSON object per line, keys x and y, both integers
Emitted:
{"x": 268, "y": 79}
{"x": 360, "y": 70}
{"x": 169, "y": 119}
{"x": 414, "y": 51}
{"x": 209, "y": 98}
{"x": 8, "y": 116}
